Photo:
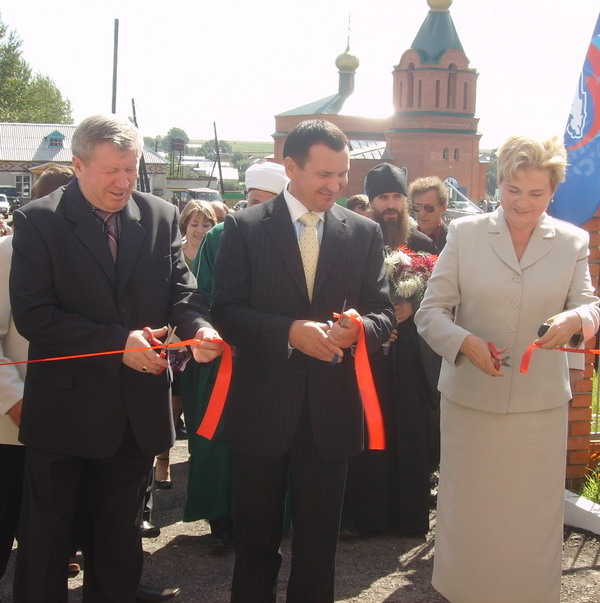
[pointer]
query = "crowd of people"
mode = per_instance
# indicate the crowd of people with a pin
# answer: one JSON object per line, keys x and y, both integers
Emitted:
{"x": 101, "y": 275}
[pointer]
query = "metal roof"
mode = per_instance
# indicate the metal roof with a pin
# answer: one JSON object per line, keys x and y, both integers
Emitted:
{"x": 29, "y": 142}
{"x": 436, "y": 36}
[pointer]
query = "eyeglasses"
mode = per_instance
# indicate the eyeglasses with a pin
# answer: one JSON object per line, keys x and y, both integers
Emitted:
{"x": 428, "y": 208}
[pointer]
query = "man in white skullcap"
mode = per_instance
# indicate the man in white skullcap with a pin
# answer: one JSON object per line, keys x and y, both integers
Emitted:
{"x": 263, "y": 181}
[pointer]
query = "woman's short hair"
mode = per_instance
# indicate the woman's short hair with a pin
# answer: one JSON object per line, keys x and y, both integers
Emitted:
{"x": 525, "y": 153}
{"x": 194, "y": 207}
{"x": 428, "y": 183}
{"x": 100, "y": 129}
{"x": 50, "y": 179}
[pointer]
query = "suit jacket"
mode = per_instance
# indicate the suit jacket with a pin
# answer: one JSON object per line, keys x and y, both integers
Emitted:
{"x": 478, "y": 286}
{"x": 69, "y": 297}
{"x": 13, "y": 348}
{"x": 259, "y": 290}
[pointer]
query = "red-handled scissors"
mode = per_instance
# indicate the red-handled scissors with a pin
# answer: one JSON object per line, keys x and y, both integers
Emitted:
{"x": 499, "y": 359}
{"x": 154, "y": 341}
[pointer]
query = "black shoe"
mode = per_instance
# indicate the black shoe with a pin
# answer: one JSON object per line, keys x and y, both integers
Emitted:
{"x": 149, "y": 530}
{"x": 146, "y": 593}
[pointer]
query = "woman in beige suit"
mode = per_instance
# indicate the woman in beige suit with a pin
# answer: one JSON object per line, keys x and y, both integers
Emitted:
{"x": 501, "y": 276}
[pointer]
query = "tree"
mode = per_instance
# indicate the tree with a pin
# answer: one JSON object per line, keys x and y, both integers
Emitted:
{"x": 209, "y": 149}
{"x": 173, "y": 133}
{"x": 25, "y": 97}
{"x": 491, "y": 178}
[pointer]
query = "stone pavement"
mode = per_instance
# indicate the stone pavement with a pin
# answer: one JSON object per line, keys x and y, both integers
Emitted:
{"x": 369, "y": 570}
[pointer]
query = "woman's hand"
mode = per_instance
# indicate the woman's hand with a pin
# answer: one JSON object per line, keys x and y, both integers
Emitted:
{"x": 478, "y": 352}
{"x": 562, "y": 327}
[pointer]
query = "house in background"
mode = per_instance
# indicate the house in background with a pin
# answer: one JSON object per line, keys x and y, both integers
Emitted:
{"x": 27, "y": 149}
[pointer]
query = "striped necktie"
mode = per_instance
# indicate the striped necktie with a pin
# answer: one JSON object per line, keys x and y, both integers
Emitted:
{"x": 109, "y": 222}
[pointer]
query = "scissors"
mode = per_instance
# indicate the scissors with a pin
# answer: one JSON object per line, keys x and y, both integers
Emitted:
{"x": 499, "y": 359}
{"x": 164, "y": 353}
{"x": 342, "y": 321}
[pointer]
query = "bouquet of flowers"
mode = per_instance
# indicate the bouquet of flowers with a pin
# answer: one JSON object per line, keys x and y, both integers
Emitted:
{"x": 408, "y": 272}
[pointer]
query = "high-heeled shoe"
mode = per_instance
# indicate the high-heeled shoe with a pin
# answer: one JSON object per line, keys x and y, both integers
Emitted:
{"x": 162, "y": 484}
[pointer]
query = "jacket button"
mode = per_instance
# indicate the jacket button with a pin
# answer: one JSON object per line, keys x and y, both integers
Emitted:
{"x": 517, "y": 279}
{"x": 124, "y": 309}
{"x": 514, "y": 303}
{"x": 511, "y": 328}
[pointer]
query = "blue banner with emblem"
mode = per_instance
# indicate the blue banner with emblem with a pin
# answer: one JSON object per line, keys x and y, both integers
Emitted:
{"x": 578, "y": 197}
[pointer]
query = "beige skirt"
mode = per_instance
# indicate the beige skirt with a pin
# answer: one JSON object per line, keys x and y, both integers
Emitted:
{"x": 500, "y": 509}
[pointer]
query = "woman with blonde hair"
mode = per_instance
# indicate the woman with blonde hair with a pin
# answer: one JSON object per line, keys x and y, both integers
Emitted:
{"x": 196, "y": 219}
{"x": 501, "y": 276}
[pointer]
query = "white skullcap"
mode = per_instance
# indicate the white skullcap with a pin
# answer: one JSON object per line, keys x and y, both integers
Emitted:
{"x": 266, "y": 176}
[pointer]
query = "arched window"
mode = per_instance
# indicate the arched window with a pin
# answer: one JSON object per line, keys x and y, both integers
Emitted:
{"x": 446, "y": 153}
{"x": 401, "y": 89}
{"x": 437, "y": 93}
{"x": 419, "y": 94}
{"x": 465, "y": 96}
{"x": 456, "y": 154}
{"x": 451, "y": 99}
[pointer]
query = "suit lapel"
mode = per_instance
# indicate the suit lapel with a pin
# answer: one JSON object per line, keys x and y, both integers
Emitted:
{"x": 130, "y": 242}
{"x": 88, "y": 230}
{"x": 539, "y": 244}
{"x": 335, "y": 233}
{"x": 501, "y": 241}
{"x": 278, "y": 224}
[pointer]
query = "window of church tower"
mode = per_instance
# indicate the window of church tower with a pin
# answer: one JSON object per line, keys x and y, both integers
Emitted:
{"x": 411, "y": 86}
{"x": 446, "y": 153}
{"x": 420, "y": 93}
{"x": 456, "y": 154}
{"x": 451, "y": 99}
{"x": 437, "y": 93}
{"x": 465, "y": 96}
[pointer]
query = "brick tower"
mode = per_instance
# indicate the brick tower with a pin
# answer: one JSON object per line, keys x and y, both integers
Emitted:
{"x": 434, "y": 128}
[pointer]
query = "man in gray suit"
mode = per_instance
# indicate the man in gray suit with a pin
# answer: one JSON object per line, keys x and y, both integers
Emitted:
{"x": 93, "y": 265}
{"x": 294, "y": 403}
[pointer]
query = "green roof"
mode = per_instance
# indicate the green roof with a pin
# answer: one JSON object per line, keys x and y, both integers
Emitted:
{"x": 436, "y": 36}
{"x": 328, "y": 105}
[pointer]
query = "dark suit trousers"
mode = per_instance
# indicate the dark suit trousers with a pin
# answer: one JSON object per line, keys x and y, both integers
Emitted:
{"x": 54, "y": 487}
{"x": 259, "y": 490}
{"x": 12, "y": 461}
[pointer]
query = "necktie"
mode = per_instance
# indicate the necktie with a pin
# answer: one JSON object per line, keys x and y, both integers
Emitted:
{"x": 309, "y": 249}
{"x": 109, "y": 220}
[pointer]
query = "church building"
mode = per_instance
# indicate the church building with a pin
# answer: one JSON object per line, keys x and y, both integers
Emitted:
{"x": 433, "y": 128}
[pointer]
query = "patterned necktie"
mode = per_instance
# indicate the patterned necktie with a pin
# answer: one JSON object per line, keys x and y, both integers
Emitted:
{"x": 309, "y": 249}
{"x": 109, "y": 221}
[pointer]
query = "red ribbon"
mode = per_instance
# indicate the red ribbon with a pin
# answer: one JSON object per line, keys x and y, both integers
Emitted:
{"x": 214, "y": 410}
{"x": 366, "y": 387}
{"x": 527, "y": 355}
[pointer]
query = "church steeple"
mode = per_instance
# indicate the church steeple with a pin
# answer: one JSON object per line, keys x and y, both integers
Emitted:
{"x": 437, "y": 34}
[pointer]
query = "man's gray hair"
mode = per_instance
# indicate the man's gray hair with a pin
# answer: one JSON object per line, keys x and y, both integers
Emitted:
{"x": 99, "y": 129}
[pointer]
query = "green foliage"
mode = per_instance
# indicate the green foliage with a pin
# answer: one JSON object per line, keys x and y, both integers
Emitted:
{"x": 591, "y": 485}
{"x": 25, "y": 97}
{"x": 491, "y": 178}
{"x": 209, "y": 149}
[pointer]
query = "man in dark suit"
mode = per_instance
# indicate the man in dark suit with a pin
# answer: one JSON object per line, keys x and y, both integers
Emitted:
{"x": 428, "y": 198}
{"x": 294, "y": 402}
{"x": 93, "y": 264}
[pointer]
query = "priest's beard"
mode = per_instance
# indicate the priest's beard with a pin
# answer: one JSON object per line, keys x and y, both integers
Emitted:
{"x": 395, "y": 230}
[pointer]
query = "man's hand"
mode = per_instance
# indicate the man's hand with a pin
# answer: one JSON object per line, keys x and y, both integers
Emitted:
{"x": 562, "y": 327}
{"x": 144, "y": 361}
{"x": 311, "y": 338}
{"x": 15, "y": 412}
{"x": 404, "y": 310}
{"x": 344, "y": 333}
{"x": 208, "y": 350}
{"x": 478, "y": 352}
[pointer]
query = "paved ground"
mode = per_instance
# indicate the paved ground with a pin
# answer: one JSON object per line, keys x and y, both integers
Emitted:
{"x": 369, "y": 570}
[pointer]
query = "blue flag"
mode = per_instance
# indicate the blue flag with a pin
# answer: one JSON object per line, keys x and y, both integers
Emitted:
{"x": 578, "y": 197}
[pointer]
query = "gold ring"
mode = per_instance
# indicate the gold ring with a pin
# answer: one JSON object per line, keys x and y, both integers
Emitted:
{"x": 144, "y": 369}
